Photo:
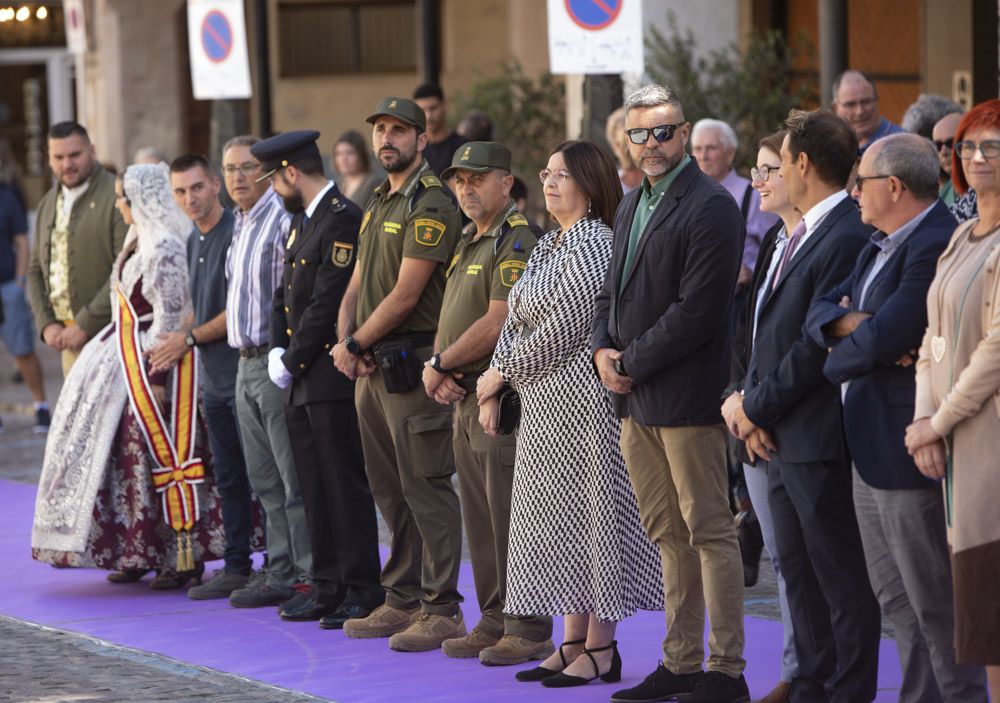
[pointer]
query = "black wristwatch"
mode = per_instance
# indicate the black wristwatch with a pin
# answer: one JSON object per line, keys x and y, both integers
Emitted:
{"x": 620, "y": 367}
{"x": 353, "y": 346}
{"x": 190, "y": 340}
{"x": 435, "y": 363}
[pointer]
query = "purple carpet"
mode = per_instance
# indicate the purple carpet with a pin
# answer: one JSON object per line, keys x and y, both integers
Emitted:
{"x": 300, "y": 656}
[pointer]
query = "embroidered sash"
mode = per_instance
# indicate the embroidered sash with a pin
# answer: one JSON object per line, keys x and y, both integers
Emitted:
{"x": 177, "y": 470}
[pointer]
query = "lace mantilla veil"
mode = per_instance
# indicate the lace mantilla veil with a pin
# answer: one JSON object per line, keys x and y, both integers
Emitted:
{"x": 93, "y": 398}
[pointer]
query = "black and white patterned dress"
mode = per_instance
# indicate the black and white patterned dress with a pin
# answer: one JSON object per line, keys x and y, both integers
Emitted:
{"x": 576, "y": 543}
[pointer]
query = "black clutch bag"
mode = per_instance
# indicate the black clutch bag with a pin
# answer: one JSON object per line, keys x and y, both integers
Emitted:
{"x": 510, "y": 410}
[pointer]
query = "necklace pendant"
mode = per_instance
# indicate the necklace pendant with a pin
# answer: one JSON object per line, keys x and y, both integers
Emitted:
{"x": 938, "y": 348}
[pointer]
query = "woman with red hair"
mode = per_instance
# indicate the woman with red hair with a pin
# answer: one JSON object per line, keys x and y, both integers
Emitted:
{"x": 957, "y": 415}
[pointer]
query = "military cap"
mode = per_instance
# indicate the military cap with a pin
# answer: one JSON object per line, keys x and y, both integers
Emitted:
{"x": 479, "y": 157}
{"x": 285, "y": 149}
{"x": 402, "y": 109}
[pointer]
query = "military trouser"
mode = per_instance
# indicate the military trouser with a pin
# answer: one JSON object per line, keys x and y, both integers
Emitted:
{"x": 406, "y": 439}
{"x": 485, "y": 478}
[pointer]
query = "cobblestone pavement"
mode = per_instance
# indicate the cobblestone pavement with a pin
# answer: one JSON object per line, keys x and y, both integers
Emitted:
{"x": 45, "y": 665}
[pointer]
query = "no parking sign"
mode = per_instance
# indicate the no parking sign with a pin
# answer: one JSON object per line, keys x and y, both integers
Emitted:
{"x": 217, "y": 42}
{"x": 595, "y": 36}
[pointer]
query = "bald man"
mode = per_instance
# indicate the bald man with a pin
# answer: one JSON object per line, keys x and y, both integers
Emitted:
{"x": 944, "y": 142}
{"x": 855, "y": 99}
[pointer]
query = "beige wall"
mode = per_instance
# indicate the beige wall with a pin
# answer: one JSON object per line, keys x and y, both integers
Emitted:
{"x": 129, "y": 95}
{"x": 946, "y": 43}
{"x": 477, "y": 39}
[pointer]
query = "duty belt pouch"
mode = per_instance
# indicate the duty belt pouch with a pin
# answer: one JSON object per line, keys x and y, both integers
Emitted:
{"x": 509, "y": 413}
{"x": 401, "y": 369}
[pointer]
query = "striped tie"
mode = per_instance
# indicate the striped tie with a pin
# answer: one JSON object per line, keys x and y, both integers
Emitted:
{"x": 790, "y": 247}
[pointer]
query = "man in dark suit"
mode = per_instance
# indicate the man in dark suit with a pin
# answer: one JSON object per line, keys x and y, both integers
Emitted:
{"x": 319, "y": 401}
{"x": 789, "y": 415}
{"x": 872, "y": 321}
{"x": 661, "y": 345}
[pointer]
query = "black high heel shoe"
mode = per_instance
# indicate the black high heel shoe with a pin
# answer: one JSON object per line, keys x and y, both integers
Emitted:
{"x": 540, "y": 672}
{"x": 613, "y": 675}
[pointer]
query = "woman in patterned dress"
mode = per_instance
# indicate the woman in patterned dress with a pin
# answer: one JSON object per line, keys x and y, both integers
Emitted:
{"x": 576, "y": 545}
{"x": 96, "y": 504}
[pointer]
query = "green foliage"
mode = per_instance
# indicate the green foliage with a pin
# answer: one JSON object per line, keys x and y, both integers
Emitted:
{"x": 752, "y": 89}
{"x": 528, "y": 114}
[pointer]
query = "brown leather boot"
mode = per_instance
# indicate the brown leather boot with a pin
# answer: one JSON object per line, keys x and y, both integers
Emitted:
{"x": 512, "y": 649}
{"x": 427, "y": 632}
{"x": 469, "y": 646}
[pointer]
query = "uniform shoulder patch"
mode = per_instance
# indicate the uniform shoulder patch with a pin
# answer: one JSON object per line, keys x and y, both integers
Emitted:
{"x": 342, "y": 252}
{"x": 428, "y": 232}
{"x": 338, "y": 206}
{"x": 430, "y": 181}
{"x": 517, "y": 220}
{"x": 510, "y": 272}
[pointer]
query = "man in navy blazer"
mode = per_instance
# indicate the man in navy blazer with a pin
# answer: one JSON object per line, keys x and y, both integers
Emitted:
{"x": 872, "y": 321}
{"x": 661, "y": 345}
{"x": 789, "y": 416}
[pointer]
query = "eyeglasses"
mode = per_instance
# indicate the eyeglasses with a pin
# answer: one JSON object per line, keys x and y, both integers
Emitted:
{"x": 560, "y": 176}
{"x": 864, "y": 103}
{"x": 661, "y": 133}
{"x": 949, "y": 142}
{"x": 990, "y": 149}
{"x": 859, "y": 181}
{"x": 247, "y": 169}
{"x": 762, "y": 173}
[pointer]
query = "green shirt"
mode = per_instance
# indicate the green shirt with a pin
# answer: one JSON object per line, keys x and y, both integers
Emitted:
{"x": 482, "y": 270}
{"x": 947, "y": 193}
{"x": 649, "y": 198}
{"x": 422, "y": 225}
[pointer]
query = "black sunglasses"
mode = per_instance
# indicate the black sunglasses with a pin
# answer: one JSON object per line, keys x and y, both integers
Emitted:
{"x": 661, "y": 133}
{"x": 859, "y": 181}
{"x": 949, "y": 142}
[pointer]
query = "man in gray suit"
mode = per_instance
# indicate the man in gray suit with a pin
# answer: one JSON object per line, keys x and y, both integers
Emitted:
{"x": 79, "y": 235}
{"x": 661, "y": 345}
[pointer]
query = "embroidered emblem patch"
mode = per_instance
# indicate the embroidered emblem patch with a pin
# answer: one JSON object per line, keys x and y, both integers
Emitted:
{"x": 510, "y": 271}
{"x": 428, "y": 232}
{"x": 342, "y": 254}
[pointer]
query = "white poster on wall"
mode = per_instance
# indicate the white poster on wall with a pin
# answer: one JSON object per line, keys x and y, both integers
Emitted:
{"x": 217, "y": 41}
{"x": 595, "y": 36}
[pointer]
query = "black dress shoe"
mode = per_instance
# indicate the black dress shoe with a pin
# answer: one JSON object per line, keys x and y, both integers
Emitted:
{"x": 305, "y": 607}
{"x": 343, "y": 613}
{"x": 661, "y": 685}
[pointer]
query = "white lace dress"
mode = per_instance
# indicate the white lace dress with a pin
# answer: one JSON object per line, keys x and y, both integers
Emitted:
{"x": 96, "y": 505}
{"x": 576, "y": 543}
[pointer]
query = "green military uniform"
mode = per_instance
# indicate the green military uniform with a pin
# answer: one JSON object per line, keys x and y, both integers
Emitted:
{"x": 407, "y": 436}
{"x": 485, "y": 269}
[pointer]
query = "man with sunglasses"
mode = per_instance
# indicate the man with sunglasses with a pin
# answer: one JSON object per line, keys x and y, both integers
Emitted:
{"x": 944, "y": 142}
{"x": 660, "y": 340}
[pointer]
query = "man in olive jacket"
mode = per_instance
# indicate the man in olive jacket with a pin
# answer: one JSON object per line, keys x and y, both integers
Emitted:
{"x": 78, "y": 236}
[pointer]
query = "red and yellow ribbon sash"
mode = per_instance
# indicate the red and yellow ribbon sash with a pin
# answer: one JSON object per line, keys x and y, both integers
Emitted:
{"x": 177, "y": 470}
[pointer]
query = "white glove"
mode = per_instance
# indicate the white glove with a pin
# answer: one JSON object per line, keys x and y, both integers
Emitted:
{"x": 280, "y": 376}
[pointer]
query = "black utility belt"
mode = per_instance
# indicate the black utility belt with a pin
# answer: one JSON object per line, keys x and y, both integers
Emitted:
{"x": 396, "y": 357}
